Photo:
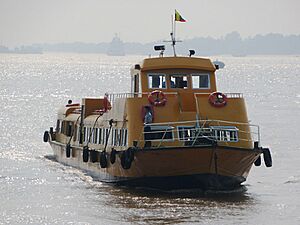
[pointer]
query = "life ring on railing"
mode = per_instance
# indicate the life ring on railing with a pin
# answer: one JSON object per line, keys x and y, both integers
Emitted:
{"x": 106, "y": 103}
{"x": 157, "y": 98}
{"x": 217, "y": 99}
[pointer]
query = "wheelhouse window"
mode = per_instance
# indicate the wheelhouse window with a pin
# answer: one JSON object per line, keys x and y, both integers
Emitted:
{"x": 156, "y": 81}
{"x": 179, "y": 81}
{"x": 200, "y": 81}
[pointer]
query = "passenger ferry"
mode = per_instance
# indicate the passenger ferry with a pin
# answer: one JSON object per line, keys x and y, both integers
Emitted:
{"x": 173, "y": 130}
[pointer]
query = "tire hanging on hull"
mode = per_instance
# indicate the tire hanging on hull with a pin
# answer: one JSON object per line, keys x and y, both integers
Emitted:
{"x": 68, "y": 150}
{"x": 103, "y": 159}
{"x": 258, "y": 161}
{"x": 46, "y": 136}
{"x": 127, "y": 158}
{"x": 93, "y": 156}
{"x": 112, "y": 157}
{"x": 267, "y": 157}
{"x": 85, "y": 154}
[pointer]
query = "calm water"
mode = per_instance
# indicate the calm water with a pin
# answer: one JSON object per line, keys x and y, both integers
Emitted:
{"x": 37, "y": 190}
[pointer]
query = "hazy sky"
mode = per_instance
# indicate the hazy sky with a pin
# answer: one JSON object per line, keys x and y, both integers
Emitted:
{"x": 52, "y": 21}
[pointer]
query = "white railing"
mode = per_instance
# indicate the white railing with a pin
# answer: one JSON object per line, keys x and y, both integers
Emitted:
{"x": 228, "y": 95}
{"x": 201, "y": 132}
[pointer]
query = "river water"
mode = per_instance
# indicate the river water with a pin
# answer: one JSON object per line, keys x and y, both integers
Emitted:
{"x": 34, "y": 189}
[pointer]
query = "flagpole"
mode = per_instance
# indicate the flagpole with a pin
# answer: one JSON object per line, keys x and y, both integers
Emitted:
{"x": 173, "y": 34}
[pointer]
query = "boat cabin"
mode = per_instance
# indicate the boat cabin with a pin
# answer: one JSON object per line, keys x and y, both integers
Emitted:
{"x": 185, "y": 109}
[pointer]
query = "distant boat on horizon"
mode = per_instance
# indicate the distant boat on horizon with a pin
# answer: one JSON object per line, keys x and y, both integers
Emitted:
{"x": 239, "y": 55}
{"x": 116, "y": 47}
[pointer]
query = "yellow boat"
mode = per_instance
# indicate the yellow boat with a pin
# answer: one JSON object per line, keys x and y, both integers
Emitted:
{"x": 174, "y": 130}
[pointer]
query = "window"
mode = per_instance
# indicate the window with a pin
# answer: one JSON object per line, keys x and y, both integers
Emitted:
{"x": 125, "y": 137}
{"x": 225, "y": 133}
{"x": 195, "y": 135}
{"x": 75, "y": 133}
{"x": 58, "y": 126}
{"x": 186, "y": 133}
{"x": 99, "y": 136}
{"x": 84, "y": 134}
{"x": 78, "y": 133}
{"x": 68, "y": 128}
{"x": 96, "y": 135}
{"x": 200, "y": 81}
{"x": 158, "y": 133}
{"x": 156, "y": 81}
{"x": 179, "y": 81}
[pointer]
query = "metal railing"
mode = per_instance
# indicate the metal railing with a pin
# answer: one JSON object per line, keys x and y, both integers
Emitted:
{"x": 199, "y": 132}
{"x": 113, "y": 96}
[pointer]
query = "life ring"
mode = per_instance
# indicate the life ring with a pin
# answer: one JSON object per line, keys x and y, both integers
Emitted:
{"x": 157, "y": 98}
{"x": 217, "y": 99}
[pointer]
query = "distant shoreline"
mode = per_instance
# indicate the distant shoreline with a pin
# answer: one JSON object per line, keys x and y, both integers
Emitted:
{"x": 230, "y": 44}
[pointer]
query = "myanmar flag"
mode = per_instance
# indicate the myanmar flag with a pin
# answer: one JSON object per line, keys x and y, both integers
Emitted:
{"x": 178, "y": 17}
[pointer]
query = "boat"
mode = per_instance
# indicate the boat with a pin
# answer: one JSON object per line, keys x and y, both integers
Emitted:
{"x": 173, "y": 130}
{"x": 116, "y": 47}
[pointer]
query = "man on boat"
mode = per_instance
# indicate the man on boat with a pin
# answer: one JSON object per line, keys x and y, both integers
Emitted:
{"x": 148, "y": 118}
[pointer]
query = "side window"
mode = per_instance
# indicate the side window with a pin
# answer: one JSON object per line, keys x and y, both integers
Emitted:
{"x": 200, "y": 81}
{"x": 179, "y": 81}
{"x": 156, "y": 81}
{"x": 225, "y": 133}
{"x": 186, "y": 133}
{"x": 57, "y": 126}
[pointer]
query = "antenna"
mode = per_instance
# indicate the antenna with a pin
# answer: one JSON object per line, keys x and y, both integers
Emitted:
{"x": 172, "y": 34}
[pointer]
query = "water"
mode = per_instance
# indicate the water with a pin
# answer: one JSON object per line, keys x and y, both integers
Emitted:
{"x": 34, "y": 189}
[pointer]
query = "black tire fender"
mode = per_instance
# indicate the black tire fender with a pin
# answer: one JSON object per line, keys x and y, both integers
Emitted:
{"x": 46, "y": 136}
{"x": 85, "y": 154}
{"x": 103, "y": 159}
{"x": 68, "y": 150}
{"x": 127, "y": 158}
{"x": 267, "y": 157}
{"x": 258, "y": 161}
{"x": 112, "y": 157}
{"x": 93, "y": 156}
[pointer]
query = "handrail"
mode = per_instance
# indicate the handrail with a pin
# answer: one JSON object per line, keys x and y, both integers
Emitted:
{"x": 206, "y": 130}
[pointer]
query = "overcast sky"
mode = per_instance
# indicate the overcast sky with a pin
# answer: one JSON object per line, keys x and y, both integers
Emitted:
{"x": 52, "y": 21}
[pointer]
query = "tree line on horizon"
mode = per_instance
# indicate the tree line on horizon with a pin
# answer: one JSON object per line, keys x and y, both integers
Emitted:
{"x": 230, "y": 44}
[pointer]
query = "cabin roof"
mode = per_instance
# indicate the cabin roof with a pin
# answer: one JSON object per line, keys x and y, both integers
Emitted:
{"x": 177, "y": 63}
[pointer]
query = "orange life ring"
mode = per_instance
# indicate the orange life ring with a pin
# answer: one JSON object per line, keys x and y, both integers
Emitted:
{"x": 157, "y": 98}
{"x": 217, "y": 99}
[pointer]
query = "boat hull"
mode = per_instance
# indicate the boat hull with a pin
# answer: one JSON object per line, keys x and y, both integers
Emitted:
{"x": 207, "y": 168}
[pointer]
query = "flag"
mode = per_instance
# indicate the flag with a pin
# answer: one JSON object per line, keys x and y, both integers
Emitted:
{"x": 178, "y": 17}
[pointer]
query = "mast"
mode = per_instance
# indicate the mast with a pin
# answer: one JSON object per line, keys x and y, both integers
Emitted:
{"x": 173, "y": 30}
{"x": 173, "y": 40}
